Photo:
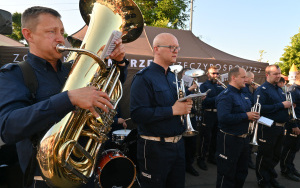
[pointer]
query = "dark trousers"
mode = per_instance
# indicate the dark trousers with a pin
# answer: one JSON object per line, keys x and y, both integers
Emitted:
{"x": 208, "y": 135}
{"x": 232, "y": 160}
{"x": 291, "y": 146}
{"x": 269, "y": 151}
{"x": 161, "y": 164}
{"x": 190, "y": 146}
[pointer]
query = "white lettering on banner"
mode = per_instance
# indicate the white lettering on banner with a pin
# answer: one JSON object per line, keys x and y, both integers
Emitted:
{"x": 191, "y": 65}
{"x": 199, "y": 65}
{"x": 185, "y": 65}
{"x": 142, "y": 63}
{"x": 133, "y": 63}
{"x": 15, "y": 60}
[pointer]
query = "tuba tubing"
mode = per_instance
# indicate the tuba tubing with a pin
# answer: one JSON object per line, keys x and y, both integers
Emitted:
{"x": 68, "y": 152}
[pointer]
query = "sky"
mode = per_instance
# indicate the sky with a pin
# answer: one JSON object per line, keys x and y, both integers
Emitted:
{"x": 239, "y": 27}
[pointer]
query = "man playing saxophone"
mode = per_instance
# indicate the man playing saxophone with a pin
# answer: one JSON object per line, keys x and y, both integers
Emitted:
{"x": 291, "y": 143}
{"x": 234, "y": 115}
{"x": 208, "y": 129}
{"x": 273, "y": 106}
{"x": 154, "y": 106}
{"x": 24, "y": 118}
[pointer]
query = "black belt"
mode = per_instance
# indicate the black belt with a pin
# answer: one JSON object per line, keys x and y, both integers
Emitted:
{"x": 211, "y": 110}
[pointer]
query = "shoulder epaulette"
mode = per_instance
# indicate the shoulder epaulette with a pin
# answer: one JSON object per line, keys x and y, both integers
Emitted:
{"x": 8, "y": 67}
{"x": 142, "y": 70}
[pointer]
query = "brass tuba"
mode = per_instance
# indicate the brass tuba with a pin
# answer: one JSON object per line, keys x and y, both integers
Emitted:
{"x": 67, "y": 153}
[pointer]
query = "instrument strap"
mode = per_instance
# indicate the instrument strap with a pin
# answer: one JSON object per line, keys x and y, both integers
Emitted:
{"x": 30, "y": 79}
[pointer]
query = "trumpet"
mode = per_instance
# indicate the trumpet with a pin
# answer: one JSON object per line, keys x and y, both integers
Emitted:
{"x": 253, "y": 125}
{"x": 254, "y": 83}
{"x": 291, "y": 110}
{"x": 180, "y": 94}
{"x": 220, "y": 82}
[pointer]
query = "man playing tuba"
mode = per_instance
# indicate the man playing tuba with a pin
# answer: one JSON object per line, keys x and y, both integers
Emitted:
{"x": 23, "y": 117}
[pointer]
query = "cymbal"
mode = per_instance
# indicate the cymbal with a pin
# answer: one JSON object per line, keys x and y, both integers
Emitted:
{"x": 176, "y": 68}
{"x": 194, "y": 73}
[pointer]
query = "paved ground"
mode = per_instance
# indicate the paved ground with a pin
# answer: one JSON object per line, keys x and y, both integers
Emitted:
{"x": 207, "y": 179}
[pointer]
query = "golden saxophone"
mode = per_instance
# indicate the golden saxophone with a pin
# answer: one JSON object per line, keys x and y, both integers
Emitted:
{"x": 67, "y": 153}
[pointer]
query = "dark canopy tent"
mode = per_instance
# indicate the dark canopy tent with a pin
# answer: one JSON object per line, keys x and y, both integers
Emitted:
{"x": 194, "y": 53}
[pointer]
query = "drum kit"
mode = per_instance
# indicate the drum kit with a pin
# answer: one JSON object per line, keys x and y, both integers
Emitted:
{"x": 116, "y": 167}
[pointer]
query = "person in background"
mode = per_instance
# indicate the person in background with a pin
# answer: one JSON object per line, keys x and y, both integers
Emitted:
{"x": 247, "y": 92}
{"x": 291, "y": 143}
{"x": 190, "y": 142}
{"x": 209, "y": 127}
{"x": 273, "y": 106}
{"x": 155, "y": 108}
{"x": 234, "y": 115}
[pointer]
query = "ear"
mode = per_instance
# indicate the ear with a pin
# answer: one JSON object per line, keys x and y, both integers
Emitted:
{"x": 27, "y": 34}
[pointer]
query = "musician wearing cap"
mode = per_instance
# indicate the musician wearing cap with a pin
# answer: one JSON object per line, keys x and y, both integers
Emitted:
{"x": 155, "y": 108}
{"x": 208, "y": 129}
{"x": 234, "y": 114}
{"x": 291, "y": 144}
{"x": 275, "y": 107}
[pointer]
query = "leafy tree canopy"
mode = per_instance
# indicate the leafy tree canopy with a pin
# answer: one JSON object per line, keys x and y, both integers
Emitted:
{"x": 17, "y": 31}
{"x": 291, "y": 55}
{"x": 164, "y": 13}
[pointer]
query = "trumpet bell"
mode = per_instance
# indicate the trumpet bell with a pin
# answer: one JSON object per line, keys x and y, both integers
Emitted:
{"x": 195, "y": 73}
{"x": 176, "y": 68}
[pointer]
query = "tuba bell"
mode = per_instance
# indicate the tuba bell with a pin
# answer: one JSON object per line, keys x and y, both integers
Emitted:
{"x": 68, "y": 152}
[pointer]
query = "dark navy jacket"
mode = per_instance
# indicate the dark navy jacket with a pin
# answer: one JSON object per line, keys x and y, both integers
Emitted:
{"x": 153, "y": 93}
{"x": 248, "y": 93}
{"x": 271, "y": 98}
{"x": 215, "y": 90}
{"x": 232, "y": 106}
{"x": 19, "y": 118}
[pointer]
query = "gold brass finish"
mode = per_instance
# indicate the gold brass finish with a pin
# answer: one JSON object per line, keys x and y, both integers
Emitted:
{"x": 67, "y": 153}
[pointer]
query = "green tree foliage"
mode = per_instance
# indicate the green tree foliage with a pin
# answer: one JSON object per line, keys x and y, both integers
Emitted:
{"x": 164, "y": 13}
{"x": 291, "y": 55}
{"x": 17, "y": 31}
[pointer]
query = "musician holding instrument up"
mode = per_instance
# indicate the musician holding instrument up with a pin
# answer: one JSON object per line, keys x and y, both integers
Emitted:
{"x": 275, "y": 107}
{"x": 155, "y": 108}
{"x": 209, "y": 127}
{"x": 291, "y": 143}
{"x": 24, "y": 118}
{"x": 234, "y": 115}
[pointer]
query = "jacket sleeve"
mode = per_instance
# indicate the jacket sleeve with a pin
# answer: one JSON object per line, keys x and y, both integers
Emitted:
{"x": 19, "y": 118}
{"x": 263, "y": 100}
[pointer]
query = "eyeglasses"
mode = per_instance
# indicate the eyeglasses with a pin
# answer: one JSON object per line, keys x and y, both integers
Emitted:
{"x": 214, "y": 73}
{"x": 172, "y": 48}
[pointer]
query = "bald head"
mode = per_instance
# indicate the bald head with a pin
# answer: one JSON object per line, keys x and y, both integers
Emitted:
{"x": 162, "y": 39}
{"x": 165, "y": 49}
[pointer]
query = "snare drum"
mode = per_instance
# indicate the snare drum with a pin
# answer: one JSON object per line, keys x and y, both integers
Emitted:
{"x": 115, "y": 170}
{"x": 119, "y": 135}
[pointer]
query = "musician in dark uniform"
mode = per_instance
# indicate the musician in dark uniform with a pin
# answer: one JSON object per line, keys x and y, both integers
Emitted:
{"x": 247, "y": 91}
{"x": 208, "y": 129}
{"x": 273, "y": 106}
{"x": 21, "y": 116}
{"x": 234, "y": 115}
{"x": 154, "y": 106}
{"x": 291, "y": 144}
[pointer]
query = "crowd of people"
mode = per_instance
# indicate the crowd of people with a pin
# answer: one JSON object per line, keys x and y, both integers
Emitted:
{"x": 163, "y": 156}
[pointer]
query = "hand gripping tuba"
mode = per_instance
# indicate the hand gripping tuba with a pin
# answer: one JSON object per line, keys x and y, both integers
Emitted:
{"x": 68, "y": 151}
